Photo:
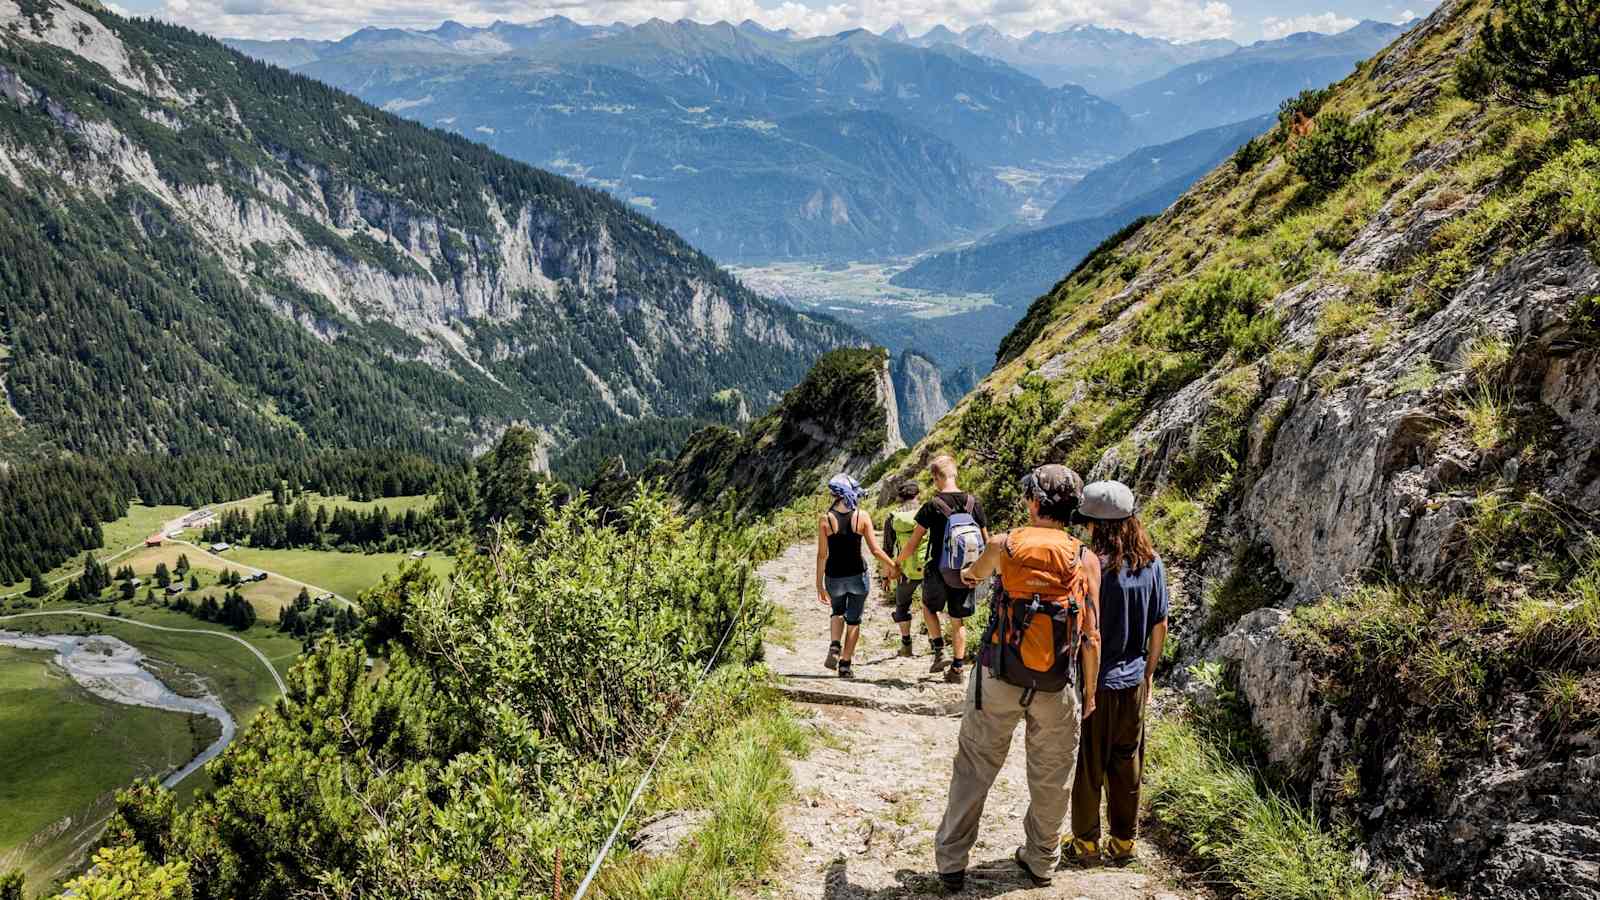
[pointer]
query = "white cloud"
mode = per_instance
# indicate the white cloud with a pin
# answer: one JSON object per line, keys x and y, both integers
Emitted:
{"x": 267, "y": 19}
{"x": 1273, "y": 27}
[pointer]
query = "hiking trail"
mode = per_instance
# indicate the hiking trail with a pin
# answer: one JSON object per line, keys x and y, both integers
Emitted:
{"x": 869, "y": 796}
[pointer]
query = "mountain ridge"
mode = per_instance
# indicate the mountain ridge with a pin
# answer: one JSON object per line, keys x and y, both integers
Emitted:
{"x": 423, "y": 289}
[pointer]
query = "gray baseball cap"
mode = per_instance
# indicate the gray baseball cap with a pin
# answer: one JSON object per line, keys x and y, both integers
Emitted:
{"x": 1107, "y": 501}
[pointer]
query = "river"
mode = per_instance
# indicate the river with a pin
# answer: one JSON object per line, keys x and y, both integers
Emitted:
{"x": 110, "y": 668}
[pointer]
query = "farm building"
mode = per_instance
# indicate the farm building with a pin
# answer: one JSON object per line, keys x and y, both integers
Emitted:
{"x": 154, "y": 540}
{"x": 221, "y": 548}
{"x": 175, "y": 588}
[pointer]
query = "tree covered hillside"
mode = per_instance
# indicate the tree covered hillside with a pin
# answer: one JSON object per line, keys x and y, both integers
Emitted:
{"x": 1353, "y": 375}
{"x": 199, "y": 252}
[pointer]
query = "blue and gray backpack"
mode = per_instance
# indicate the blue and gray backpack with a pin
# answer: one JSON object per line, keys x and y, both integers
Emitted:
{"x": 963, "y": 541}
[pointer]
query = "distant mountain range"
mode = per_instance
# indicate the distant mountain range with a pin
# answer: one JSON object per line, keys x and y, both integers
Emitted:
{"x": 1249, "y": 81}
{"x": 1103, "y": 60}
{"x": 1019, "y": 265}
{"x": 753, "y": 144}
{"x": 759, "y": 145}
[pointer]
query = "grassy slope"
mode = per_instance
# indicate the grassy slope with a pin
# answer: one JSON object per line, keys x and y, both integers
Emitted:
{"x": 1260, "y": 232}
{"x": 64, "y": 753}
{"x": 346, "y": 574}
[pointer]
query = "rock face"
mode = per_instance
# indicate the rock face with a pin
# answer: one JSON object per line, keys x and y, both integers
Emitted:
{"x": 1377, "y": 510}
{"x": 919, "y": 393}
{"x": 841, "y": 418}
{"x": 466, "y": 290}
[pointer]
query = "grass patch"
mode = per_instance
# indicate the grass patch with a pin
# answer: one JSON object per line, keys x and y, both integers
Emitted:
{"x": 739, "y": 774}
{"x": 1177, "y": 523}
{"x": 1486, "y": 357}
{"x": 345, "y": 574}
{"x": 1487, "y": 415}
{"x": 1252, "y": 584}
{"x": 1420, "y": 377}
{"x": 1264, "y": 846}
{"x": 1342, "y": 318}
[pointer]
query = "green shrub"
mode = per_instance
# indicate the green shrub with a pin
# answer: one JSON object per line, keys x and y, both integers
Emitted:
{"x": 1532, "y": 50}
{"x": 1253, "y": 583}
{"x": 1223, "y": 309}
{"x": 1337, "y": 149}
{"x": 1250, "y": 154}
{"x": 1342, "y": 318}
{"x": 504, "y": 730}
{"x": 1307, "y": 103}
{"x": 1008, "y": 439}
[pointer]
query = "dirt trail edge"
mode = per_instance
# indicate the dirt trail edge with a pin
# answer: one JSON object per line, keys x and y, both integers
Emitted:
{"x": 870, "y": 795}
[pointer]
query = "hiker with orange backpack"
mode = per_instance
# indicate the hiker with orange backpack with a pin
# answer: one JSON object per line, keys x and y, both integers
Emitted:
{"x": 842, "y": 582}
{"x": 1133, "y": 629}
{"x": 1041, "y": 647}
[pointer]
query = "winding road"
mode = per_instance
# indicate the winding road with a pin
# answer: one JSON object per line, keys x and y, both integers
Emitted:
{"x": 276, "y": 678}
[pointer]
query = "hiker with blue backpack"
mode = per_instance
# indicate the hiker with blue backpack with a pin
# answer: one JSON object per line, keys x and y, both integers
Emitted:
{"x": 957, "y": 530}
{"x": 842, "y": 582}
{"x": 1040, "y": 648}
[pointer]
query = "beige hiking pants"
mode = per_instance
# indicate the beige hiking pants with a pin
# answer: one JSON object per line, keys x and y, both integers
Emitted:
{"x": 1052, "y": 747}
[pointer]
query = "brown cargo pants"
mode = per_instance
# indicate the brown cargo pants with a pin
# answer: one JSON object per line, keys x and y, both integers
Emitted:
{"x": 1112, "y": 759}
{"x": 1052, "y": 748}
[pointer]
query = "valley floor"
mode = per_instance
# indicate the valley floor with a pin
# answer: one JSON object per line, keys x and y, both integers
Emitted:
{"x": 870, "y": 795}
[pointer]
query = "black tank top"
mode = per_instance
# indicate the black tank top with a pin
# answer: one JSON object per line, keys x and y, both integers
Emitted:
{"x": 844, "y": 548}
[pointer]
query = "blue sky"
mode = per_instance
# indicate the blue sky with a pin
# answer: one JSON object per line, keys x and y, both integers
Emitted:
{"x": 1241, "y": 20}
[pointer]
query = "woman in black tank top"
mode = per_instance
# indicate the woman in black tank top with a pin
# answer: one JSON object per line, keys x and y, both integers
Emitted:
{"x": 842, "y": 582}
{"x": 844, "y": 546}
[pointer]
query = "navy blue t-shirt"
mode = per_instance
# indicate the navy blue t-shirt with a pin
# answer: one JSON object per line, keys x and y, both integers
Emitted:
{"x": 1132, "y": 604}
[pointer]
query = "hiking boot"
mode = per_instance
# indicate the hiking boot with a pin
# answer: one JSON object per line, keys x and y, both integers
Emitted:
{"x": 832, "y": 662}
{"x": 1080, "y": 853}
{"x": 905, "y": 650}
{"x": 953, "y": 881}
{"x": 939, "y": 662}
{"x": 844, "y": 669}
{"x": 1038, "y": 880}
{"x": 956, "y": 674}
{"x": 1119, "y": 852}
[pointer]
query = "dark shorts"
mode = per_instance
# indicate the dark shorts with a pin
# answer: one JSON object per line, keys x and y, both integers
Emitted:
{"x": 905, "y": 592}
{"x": 961, "y": 603}
{"x": 849, "y": 596}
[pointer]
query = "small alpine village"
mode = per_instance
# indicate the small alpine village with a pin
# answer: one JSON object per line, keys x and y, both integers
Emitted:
{"x": 732, "y": 450}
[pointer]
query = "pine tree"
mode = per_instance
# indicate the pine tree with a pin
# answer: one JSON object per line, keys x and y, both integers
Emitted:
{"x": 194, "y": 583}
{"x": 36, "y": 585}
{"x": 1533, "y": 50}
{"x": 163, "y": 577}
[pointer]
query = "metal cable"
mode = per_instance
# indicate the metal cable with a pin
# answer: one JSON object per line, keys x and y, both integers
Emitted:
{"x": 605, "y": 849}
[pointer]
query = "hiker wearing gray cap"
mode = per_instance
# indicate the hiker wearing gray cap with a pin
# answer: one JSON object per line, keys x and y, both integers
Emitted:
{"x": 1040, "y": 647}
{"x": 1133, "y": 630}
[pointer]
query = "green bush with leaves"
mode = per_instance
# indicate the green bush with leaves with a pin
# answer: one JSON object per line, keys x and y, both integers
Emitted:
{"x": 506, "y": 719}
{"x": 1532, "y": 50}
{"x": 1008, "y": 438}
{"x": 1222, "y": 309}
{"x": 1305, "y": 104}
{"x": 1250, "y": 155}
{"x": 1335, "y": 150}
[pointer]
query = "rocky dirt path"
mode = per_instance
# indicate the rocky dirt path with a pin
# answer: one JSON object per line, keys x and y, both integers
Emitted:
{"x": 870, "y": 795}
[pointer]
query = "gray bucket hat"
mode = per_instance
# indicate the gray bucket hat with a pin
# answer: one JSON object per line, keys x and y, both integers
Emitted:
{"x": 1107, "y": 501}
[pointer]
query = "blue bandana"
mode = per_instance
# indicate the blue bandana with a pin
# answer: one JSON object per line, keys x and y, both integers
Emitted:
{"x": 847, "y": 489}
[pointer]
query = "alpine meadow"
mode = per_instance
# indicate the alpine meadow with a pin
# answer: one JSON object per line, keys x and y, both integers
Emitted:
{"x": 1083, "y": 452}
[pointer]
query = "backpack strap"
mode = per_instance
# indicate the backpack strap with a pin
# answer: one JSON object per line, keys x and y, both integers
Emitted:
{"x": 942, "y": 506}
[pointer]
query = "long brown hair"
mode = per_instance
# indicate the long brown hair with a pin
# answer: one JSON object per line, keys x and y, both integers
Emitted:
{"x": 1123, "y": 542}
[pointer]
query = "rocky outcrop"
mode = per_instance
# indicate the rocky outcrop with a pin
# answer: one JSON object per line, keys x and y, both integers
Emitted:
{"x": 920, "y": 394}
{"x": 841, "y": 418}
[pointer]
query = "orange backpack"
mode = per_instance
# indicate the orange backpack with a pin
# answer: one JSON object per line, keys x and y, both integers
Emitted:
{"x": 1039, "y": 613}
